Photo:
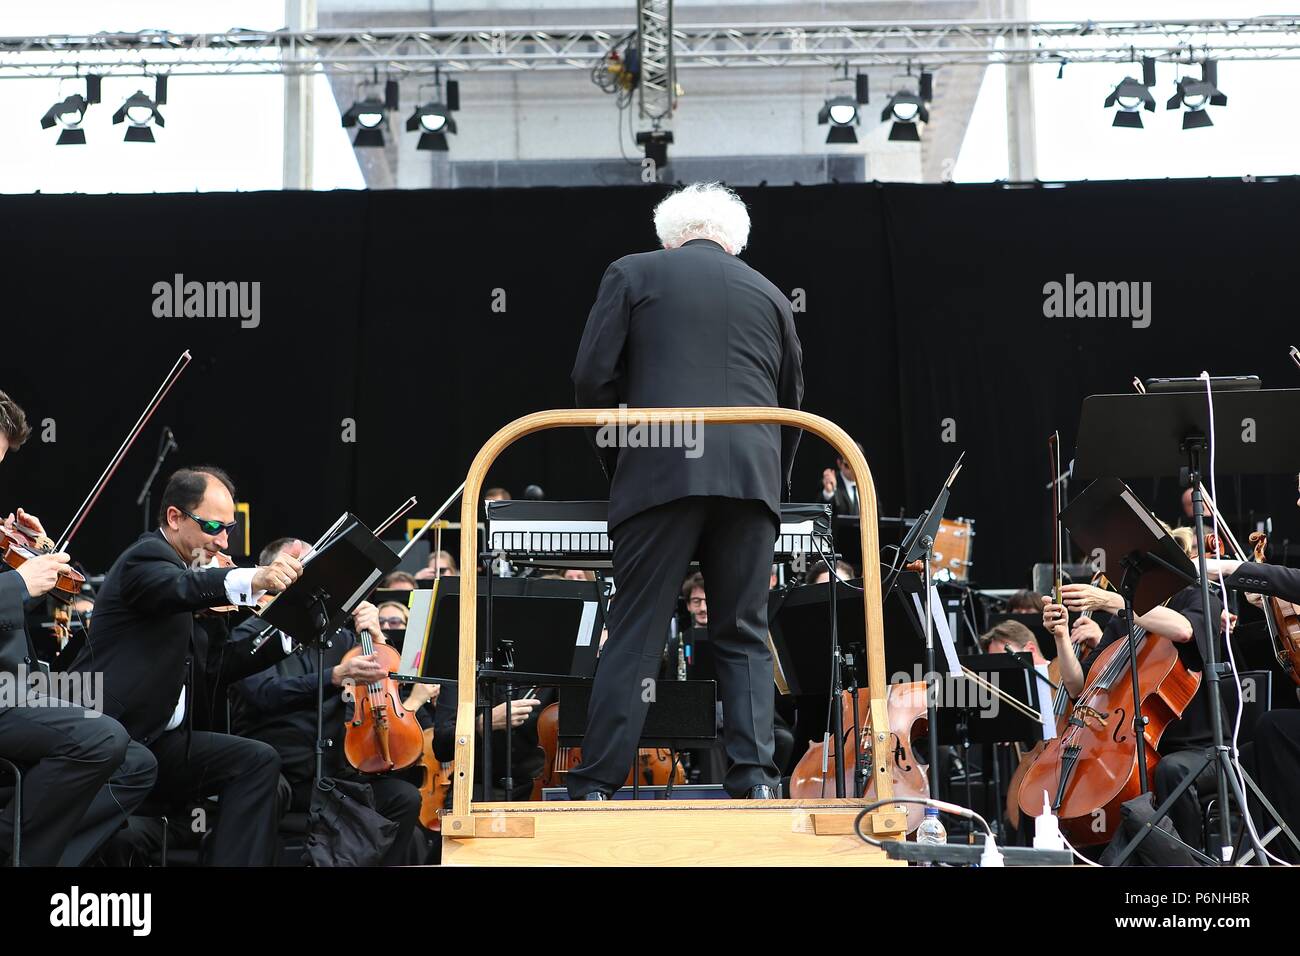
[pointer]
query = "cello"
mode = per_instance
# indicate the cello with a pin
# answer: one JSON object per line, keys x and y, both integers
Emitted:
{"x": 908, "y": 719}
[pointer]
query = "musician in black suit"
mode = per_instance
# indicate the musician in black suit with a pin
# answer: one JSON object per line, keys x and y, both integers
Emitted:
{"x": 689, "y": 325}
{"x": 840, "y": 487}
{"x": 82, "y": 774}
{"x": 142, "y": 640}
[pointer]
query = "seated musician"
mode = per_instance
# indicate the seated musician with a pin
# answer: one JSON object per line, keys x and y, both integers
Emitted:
{"x": 82, "y": 773}
{"x": 840, "y": 486}
{"x": 1025, "y": 601}
{"x": 1012, "y": 637}
{"x": 1180, "y": 620}
{"x": 144, "y": 643}
{"x": 526, "y": 756}
{"x": 843, "y": 571}
{"x": 398, "y": 581}
{"x": 278, "y": 707}
{"x": 441, "y": 564}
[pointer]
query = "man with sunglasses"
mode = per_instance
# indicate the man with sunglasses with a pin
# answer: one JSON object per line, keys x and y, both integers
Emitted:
{"x": 144, "y": 643}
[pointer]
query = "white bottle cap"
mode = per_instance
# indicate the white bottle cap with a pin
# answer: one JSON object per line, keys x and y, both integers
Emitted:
{"x": 1047, "y": 829}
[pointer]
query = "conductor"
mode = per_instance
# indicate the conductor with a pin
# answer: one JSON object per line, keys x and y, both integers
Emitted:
{"x": 689, "y": 325}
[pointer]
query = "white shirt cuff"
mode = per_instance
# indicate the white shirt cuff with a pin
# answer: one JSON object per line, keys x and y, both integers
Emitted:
{"x": 239, "y": 587}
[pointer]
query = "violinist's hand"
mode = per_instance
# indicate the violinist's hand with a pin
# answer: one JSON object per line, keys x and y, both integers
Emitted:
{"x": 1216, "y": 566}
{"x": 1256, "y": 599}
{"x": 420, "y": 695}
{"x": 1086, "y": 597}
{"x": 829, "y": 481}
{"x": 365, "y": 617}
{"x": 520, "y": 711}
{"x": 1086, "y": 631}
{"x": 1057, "y": 621}
{"x": 426, "y": 574}
{"x": 363, "y": 669}
{"x": 25, "y": 522}
{"x": 277, "y": 575}
{"x": 41, "y": 573}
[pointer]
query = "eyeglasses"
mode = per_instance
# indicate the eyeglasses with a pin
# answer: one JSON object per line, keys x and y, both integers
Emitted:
{"x": 394, "y": 622}
{"x": 695, "y": 602}
{"x": 210, "y": 526}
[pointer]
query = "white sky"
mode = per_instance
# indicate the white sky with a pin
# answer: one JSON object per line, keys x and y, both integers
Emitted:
{"x": 225, "y": 133}
{"x": 1074, "y": 136}
{"x": 222, "y": 133}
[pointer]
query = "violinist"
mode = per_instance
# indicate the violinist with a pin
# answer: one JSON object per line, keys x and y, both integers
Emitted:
{"x": 144, "y": 642}
{"x": 277, "y": 707}
{"x": 82, "y": 773}
{"x": 1180, "y": 621}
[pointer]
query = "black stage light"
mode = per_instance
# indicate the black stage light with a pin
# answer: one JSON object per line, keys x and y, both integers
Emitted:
{"x": 142, "y": 113}
{"x": 369, "y": 116}
{"x": 69, "y": 114}
{"x": 1195, "y": 95}
{"x": 1130, "y": 96}
{"x": 434, "y": 121}
{"x": 908, "y": 110}
{"x": 841, "y": 112}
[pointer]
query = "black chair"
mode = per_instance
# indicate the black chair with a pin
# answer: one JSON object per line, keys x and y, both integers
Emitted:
{"x": 14, "y": 795}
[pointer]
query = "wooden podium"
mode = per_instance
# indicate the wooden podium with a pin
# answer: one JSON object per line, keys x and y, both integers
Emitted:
{"x": 666, "y": 832}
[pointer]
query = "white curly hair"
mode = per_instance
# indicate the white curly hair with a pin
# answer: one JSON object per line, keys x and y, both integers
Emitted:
{"x": 703, "y": 211}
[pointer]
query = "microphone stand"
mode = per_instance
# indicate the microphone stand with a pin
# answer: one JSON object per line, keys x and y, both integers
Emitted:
{"x": 166, "y": 445}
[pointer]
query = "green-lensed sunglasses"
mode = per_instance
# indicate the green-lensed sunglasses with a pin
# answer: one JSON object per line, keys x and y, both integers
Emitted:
{"x": 209, "y": 526}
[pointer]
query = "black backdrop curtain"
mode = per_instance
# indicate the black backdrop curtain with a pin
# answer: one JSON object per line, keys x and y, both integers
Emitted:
{"x": 924, "y": 321}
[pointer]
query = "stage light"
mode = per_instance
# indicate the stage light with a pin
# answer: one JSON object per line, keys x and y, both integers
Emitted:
{"x": 1130, "y": 96}
{"x": 369, "y": 116}
{"x": 907, "y": 110}
{"x": 142, "y": 113}
{"x": 68, "y": 113}
{"x": 1196, "y": 95}
{"x": 841, "y": 111}
{"x": 434, "y": 121}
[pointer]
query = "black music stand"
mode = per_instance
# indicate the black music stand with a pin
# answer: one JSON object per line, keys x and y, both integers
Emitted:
{"x": 1169, "y": 434}
{"x": 962, "y": 720}
{"x": 333, "y": 581}
{"x": 547, "y": 632}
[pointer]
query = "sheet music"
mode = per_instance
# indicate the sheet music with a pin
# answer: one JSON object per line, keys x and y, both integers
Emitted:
{"x": 587, "y": 625}
{"x": 1045, "y": 713}
{"x": 418, "y": 623}
{"x": 941, "y": 631}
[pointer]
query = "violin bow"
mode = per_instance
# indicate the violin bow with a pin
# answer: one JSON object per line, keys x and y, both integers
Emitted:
{"x": 429, "y": 524}
{"x": 80, "y": 516}
{"x": 1054, "y": 462}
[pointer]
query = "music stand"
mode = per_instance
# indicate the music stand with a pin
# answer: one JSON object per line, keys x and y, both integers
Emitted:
{"x": 1169, "y": 434}
{"x": 334, "y": 579}
{"x": 965, "y": 717}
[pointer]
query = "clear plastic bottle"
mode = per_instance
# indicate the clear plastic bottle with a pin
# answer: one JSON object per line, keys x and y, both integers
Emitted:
{"x": 931, "y": 831}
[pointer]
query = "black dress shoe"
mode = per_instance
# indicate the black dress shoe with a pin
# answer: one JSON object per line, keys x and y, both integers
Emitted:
{"x": 762, "y": 792}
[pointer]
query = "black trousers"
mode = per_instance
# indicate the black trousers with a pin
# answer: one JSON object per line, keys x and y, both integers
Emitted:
{"x": 244, "y": 773}
{"x": 1185, "y": 814}
{"x": 652, "y": 552}
{"x": 1277, "y": 771}
{"x": 82, "y": 777}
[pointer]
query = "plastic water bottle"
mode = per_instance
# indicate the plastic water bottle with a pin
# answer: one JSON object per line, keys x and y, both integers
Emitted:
{"x": 931, "y": 831}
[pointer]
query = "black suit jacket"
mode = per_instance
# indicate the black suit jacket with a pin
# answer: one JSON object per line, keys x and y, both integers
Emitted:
{"x": 692, "y": 326}
{"x": 1271, "y": 579}
{"x": 14, "y": 650}
{"x": 142, "y": 633}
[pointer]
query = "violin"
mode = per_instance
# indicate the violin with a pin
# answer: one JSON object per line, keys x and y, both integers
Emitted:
{"x": 654, "y": 765}
{"x": 908, "y": 720}
{"x": 1283, "y": 622}
{"x": 433, "y": 791}
{"x": 21, "y": 544}
{"x": 381, "y": 736}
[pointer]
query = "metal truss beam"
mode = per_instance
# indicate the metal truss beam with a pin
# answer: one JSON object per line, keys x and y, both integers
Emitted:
{"x": 395, "y": 52}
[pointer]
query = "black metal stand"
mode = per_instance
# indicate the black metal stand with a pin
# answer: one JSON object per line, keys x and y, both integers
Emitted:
{"x": 166, "y": 445}
{"x": 1126, "y": 585}
{"x": 931, "y": 675}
